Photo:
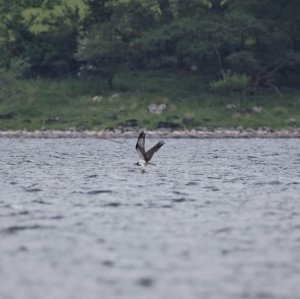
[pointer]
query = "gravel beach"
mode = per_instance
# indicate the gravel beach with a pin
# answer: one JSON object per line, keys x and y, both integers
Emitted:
{"x": 160, "y": 133}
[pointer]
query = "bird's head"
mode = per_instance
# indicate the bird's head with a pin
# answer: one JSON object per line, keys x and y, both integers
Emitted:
{"x": 141, "y": 163}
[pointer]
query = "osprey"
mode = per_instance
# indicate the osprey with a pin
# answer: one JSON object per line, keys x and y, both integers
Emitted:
{"x": 146, "y": 156}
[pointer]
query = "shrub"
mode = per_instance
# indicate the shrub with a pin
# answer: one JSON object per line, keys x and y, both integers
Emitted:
{"x": 231, "y": 83}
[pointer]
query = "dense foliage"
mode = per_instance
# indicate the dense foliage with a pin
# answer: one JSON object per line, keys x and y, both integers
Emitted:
{"x": 238, "y": 45}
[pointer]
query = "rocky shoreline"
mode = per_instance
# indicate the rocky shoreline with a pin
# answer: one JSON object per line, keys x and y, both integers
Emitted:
{"x": 160, "y": 133}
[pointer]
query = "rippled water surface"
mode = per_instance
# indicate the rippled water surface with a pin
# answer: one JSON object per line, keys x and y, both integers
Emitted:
{"x": 213, "y": 219}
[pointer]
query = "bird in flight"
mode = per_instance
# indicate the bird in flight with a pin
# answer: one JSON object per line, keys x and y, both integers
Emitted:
{"x": 145, "y": 156}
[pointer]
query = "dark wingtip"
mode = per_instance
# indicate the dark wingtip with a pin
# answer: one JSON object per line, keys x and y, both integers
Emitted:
{"x": 160, "y": 143}
{"x": 142, "y": 134}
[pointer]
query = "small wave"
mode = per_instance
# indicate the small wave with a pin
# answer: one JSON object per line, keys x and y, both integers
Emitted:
{"x": 56, "y": 157}
{"x": 23, "y": 248}
{"x": 212, "y": 188}
{"x": 179, "y": 193}
{"x": 108, "y": 263}
{"x": 159, "y": 206}
{"x": 146, "y": 282}
{"x": 33, "y": 190}
{"x": 191, "y": 184}
{"x": 223, "y": 230}
{"x": 214, "y": 178}
{"x": 42, "y": 202}
{"x": 272, "y": 183}
{"x": 21, "y": 213}
{"x": 91, "y": 176}
{"x": 95, "y": 192}
{"x": 113, "y": 204}
{"x": 56, "y": 217}
{"x": 17, "y": 228}
{"x": 180, "y": 199}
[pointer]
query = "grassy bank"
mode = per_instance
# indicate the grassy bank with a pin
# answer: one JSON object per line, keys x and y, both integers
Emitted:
{"x": 74, "y": 103}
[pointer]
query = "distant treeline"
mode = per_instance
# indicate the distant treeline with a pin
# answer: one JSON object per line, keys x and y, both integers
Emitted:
{"x": 238, "y": 45}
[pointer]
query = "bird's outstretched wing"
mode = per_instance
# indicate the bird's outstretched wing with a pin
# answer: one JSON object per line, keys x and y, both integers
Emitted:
{"x": 140, "y": 146}
{"x": 154, "y": 149}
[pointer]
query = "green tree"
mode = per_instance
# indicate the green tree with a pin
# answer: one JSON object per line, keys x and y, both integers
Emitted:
{"x": 166, "y": 11}
{"x": 104, "y": 47}
{"x": 255, "y": 38}
{"x": 99, "y": 11}
{"x": 51, "y": 53}
{"x": 47, "y": 52}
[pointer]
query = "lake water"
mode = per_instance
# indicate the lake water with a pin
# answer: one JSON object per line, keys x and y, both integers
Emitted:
{"x": 215, "y": 218}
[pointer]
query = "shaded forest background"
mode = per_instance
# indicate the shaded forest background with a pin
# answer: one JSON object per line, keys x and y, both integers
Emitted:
{"x": 96, "y": 64}
{"x": 239, "y": 45}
